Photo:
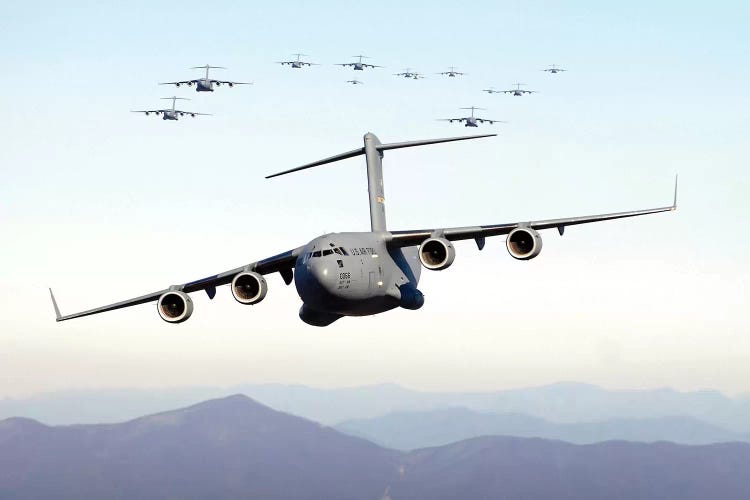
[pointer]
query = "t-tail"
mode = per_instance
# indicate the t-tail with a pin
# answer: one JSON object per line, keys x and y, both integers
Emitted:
{"x": 207, "y": 67}
{"x": 174, "y": 100}
{"x": 373, "y": 151}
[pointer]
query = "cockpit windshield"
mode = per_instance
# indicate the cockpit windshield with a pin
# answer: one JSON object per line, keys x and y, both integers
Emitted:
{"x": 330, "y": 251}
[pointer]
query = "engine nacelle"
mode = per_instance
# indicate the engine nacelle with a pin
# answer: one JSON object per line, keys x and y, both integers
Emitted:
{"x": 230, "y": 85}
{"x": 218, "y": 84}
{"x": 523, "y": 243}
{"x": 249, "y": 287}
{"x": 174, "y": 307}
{"x": 176, "y": 84}
{"x": 436, "y": 254}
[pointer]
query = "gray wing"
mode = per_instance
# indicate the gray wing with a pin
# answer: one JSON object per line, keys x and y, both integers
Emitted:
{"x": 226, "y": 82}
{"x": 415, "y": 237}
{"x": 156, "y": 111}
{"x": 282, "y": 263}
{"x": 191, "y": 113}
{"x": 179, "y": 83}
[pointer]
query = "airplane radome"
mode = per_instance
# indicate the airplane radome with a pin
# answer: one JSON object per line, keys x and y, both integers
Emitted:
{"x": 358, "y": 274}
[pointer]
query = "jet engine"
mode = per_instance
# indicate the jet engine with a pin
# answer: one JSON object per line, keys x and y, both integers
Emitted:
{"x": 218, "y": 84}
{"x": 436, "y": 254}
{"x": 523, "y": 243}
{"x": 146, "y": 113}
{"x": 176, "y": 84}
{"x": 230, "y": 85}
{"x": 249, "y": 287}
{"x": 192, "y": 114}
{"x": 174, "y": 307}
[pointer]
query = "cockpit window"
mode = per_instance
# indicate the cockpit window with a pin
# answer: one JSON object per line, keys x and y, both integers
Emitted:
{"x": 337, "y": 250}
{"x": 327, "y": 252}
{"x": 343, "y": 250}
{"x": 316, "y": 253}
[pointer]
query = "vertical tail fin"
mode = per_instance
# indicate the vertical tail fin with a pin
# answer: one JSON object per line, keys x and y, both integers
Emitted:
{"x": 373, "y": 151}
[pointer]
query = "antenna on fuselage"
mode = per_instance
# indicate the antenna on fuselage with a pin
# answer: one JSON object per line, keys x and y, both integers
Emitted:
{"x": 373, "y": 151}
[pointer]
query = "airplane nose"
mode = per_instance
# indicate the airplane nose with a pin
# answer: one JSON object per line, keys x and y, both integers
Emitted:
{"x": 323, "y": 272}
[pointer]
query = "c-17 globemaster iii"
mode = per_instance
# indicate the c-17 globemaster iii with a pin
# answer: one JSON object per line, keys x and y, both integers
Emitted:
{"x": 358, "y": 273}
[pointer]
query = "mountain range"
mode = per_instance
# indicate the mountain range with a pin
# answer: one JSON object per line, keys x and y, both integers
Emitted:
{"x": 235, "y": 447}
{"x": 412, "y": 430}
{"x": 559, "y": 403}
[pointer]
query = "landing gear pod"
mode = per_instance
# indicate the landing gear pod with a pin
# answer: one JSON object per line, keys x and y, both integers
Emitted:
{"x": 249, "y": 288}
{"x": 436, "y": 254}
{"x": 175, "y": 307}
{"x": 523, "y": 243}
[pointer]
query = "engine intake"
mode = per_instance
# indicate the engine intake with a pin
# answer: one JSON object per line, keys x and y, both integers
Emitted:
{"x": 436, "y": 254}
{"x": 174, "y": 307}
{"x": 249, "y": 287}
{"x": 524, "y": 243}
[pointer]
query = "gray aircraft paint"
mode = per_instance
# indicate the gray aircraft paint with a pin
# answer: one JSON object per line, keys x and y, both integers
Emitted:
{"x": 363, "y": 273}
{"x": 206, "y": 84}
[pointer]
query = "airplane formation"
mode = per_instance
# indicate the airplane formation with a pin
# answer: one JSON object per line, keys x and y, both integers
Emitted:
{"x": 207, "y": 84}
{"x": 346, "y": 274}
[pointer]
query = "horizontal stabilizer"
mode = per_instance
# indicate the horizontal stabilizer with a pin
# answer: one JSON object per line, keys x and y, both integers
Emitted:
{"x": 378, "y": 147}
{"x": 399, "y": 145}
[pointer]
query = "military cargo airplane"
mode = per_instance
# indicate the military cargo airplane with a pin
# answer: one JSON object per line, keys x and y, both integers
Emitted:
{"x": 206, "y": 84}
{"x": 171, "y": 114}
{"x": 358, "y": 273}
{"x": 355, "y": 82}
{"x": 297, "y": 63}
{"x": 471, "y": 121}
{"x": 358, "y": 65}
{"x": 554, "y": 69}
{"x": 408, "y": 73}
{"x": 518, "y": 91}
{"x": 451, "y": 72}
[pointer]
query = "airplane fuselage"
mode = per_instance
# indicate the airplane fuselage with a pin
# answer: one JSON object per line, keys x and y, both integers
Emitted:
{"x": 517, "y": 93}
{"x": 204, "y": 85}
{"x": 355, "y": 274}
{"x": 471, "y": 122}
{"x": 358, "y": 67}
{"x": 169, "y": 115}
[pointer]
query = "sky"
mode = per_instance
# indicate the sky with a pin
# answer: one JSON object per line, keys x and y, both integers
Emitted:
{"x": 102, "y": 204}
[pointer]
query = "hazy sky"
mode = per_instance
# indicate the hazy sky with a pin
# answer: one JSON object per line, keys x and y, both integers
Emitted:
{"x": 102, "y": 204}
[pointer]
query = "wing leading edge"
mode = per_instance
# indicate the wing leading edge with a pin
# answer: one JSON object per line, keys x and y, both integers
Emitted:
{"x": 416, "y": 237}
{"x": 282, "y": 263}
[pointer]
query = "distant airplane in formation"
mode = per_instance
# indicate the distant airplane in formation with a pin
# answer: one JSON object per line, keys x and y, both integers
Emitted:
{"x": 358, "y": 65}
{"x": 171, "y": 114}
{"x": 355, "y": 82}
{"x": 408, "y": 73}
{"x": 554, "y": 69}
{"x": 206, "y": 84}
{"x": 451, "y": 72}
{"x": 297, "y": 63}
{"x": 358, "y": 273}
{"x": 518, "y": 91}
{"x": 471, "y": 121}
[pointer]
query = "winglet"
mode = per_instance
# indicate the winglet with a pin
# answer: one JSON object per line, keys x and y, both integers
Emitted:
{"x": 674, "y": 202}
{"x": 58, "y": 316}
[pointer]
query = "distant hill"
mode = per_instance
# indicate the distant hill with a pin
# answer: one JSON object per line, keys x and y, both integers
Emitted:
{"x": 226, "y": 448}
{"x": 412, "y": 430}
{"x": 562, "y": 403}
{"x": 236, "y": 448}
{"x": 536, "y": 469}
